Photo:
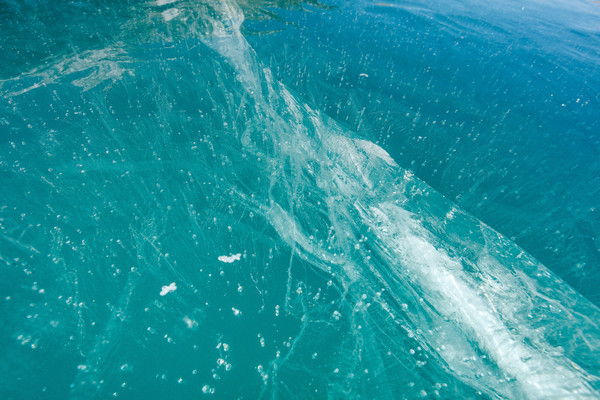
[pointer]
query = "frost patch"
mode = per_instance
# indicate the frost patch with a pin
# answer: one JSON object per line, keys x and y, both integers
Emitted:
{"x": 168, "y": 289}
{"x": 170, "y": 14}
{"x": 231, "y": 258}
{"x": 372, "y": 149}
{"x": 191, "y": 324}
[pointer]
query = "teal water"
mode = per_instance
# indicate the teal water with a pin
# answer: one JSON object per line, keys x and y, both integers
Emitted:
{"x": 342, "y": 200}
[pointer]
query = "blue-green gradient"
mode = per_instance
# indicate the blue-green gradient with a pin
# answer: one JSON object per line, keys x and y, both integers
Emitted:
{"x": 287, "y": 200}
